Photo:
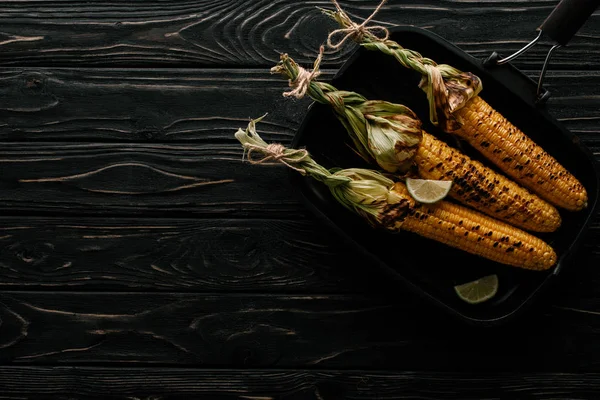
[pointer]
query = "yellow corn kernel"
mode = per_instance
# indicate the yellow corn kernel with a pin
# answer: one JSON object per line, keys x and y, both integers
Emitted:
{"x": 518, "y": 156}
{"x": 475, "y": 233}
{"x": 483, "y": 189}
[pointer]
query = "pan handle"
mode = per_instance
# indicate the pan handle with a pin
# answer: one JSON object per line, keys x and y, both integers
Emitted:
{"x": 561, "y": 25}
{"x": 567, "y": 18}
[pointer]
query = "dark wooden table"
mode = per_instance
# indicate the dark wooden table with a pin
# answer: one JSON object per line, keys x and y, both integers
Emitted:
{"x": 142, "y": 260}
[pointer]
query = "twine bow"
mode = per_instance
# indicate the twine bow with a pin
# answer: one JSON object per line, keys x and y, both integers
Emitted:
{"x": 301, "y": 83}
{"x": 356, "y": 30}
{"x": 277, "y": 152}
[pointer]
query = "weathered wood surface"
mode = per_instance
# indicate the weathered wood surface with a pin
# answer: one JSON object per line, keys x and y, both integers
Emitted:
{"x": 170, "y": 384}
{"x": 201, "y": 255}
{"x": 138, "y": 253}
{"x": 252, "y": 33}
{"x": 285, "y": 331}
{"x": 143, "y": 105}
{"x": 132, "y": 179}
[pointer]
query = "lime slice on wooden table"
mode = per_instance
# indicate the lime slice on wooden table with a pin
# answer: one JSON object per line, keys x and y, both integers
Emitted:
{"x": 479, "y": 290}
{"x": 428, "y": 191}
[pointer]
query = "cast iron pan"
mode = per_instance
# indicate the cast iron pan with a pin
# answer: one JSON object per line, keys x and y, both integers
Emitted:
{"x": 429, "y": 268}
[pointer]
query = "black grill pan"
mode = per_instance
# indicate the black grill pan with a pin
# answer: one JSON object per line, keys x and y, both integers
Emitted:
{"x": 428, "y": 268}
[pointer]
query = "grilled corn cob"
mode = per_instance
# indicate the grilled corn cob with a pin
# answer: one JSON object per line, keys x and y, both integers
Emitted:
{"x": 456, "y": 107}
{"x": 391, "y": 135}
{"x": 468, "y": 230}
{"x": 511, "y": 150}
{"x": 387, "y": 205}
{"x": 483, "y": 189}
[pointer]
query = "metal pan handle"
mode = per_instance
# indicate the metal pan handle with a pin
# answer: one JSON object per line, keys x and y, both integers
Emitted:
{"x": 561, "y": 25}
{"x": 567, "y": 18}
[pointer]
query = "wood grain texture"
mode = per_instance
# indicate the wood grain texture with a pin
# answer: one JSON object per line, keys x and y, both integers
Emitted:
{"x": 171, "y": 384}
{"x": 239, "y": 255}
{"x": 286, "y": 331}
{"x": 200, "y": 106}
{"x": 134, "y": 179}
{"x": 154, "y": 105}
{"x": 202, "y": 330}
{"x": 251, "y": 33}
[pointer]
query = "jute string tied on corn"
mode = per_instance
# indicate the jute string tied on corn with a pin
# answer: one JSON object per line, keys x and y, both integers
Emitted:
{"x": 355, "y": 30}
{"x": 445, "y": 95}
{"x": 279, "y": 154}
{"x": 297, "y": 159}
{"x": 304, "y": 78}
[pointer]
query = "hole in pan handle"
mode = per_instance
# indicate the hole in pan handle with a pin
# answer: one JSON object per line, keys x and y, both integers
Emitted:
{"x": 561, "y": 25}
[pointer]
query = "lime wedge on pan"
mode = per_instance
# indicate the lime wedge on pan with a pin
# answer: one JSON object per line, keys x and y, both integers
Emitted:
{"x": 479, "y": 290}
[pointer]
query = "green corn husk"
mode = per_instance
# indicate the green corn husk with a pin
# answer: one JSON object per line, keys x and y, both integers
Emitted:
{"x": 448, "y": 89}
{"x": 386, "y": 133}
{"x": 365, "y": 192}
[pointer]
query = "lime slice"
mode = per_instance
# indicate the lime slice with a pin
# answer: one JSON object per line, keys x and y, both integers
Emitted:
{"x": 428, "y": 191}
{"x": 478, "y": 291}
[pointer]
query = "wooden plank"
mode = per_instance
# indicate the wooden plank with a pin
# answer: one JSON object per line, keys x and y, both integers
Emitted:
{"x": 234, "y": 33}
{"x": 286, "y": 331}
{"x": 241, "y": 384}
{"x": 205, "y": 329}
{"x": 180, "y": 105}
{"x": 135, "y": 179}
{"x": 144, "y": 106}
{"x": 238, "y": 255}
{"x": 207, "y": 255}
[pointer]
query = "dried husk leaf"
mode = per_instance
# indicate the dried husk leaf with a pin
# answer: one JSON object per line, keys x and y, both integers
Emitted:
{"x": 448, "y": 89}
{"x": 365, "y": 192}
{"x": 394, "y": 134}
{"x": 388, "y": 134}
